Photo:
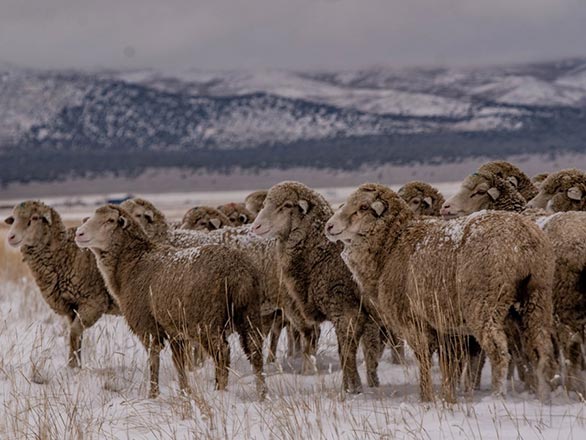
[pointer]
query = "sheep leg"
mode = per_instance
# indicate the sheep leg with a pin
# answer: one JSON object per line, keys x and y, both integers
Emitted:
{"x": 475, "y": 358}
{"x": 217, "y": 347}
{"x": 421, "y": 340}
{"x": 251, "y": 341}
{"x": 538, "y": 332}
{"x": 372, "y": 347}
{"x": 75, "y": 341}
{"x": 274, "y": 334}
{"x": 348, "y": 337}
{"x": 154, "y": 350}
{"x": 310, "y": 338}
{"x": 452, "y": 355}
{"x": 397, "y": 346}
{"x": 179, "y": 355}
{"x": 82, "y": 319}
{"x": 572, "y": 340}
{"x": 199, "y": 356}
{"x": 493, "y": 340}
{"x": 293, "y": 341}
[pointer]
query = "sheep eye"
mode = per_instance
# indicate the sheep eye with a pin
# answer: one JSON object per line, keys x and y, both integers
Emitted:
{"x": 364, "y": 207}
{"x": 111, "y": 220}
{"x": 288, "y": 205}
{"x": 35, "y": 217}
{"x": 138, "y": 215}
{"x": 416, "y": 202}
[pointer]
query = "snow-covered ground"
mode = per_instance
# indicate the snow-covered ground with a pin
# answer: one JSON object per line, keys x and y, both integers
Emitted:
{"x": 107, "y": 399}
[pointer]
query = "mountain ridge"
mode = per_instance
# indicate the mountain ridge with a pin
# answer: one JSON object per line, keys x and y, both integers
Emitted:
{"x": 210, "y": 119}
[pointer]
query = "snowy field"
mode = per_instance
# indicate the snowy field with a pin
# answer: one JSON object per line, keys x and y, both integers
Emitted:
{"x": 42, "y": 398}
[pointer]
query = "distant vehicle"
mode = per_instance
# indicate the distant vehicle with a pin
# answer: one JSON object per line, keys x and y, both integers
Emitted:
{"x": 119, "y": 200}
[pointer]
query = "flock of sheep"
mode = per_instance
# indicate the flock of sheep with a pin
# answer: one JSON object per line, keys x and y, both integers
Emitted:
{"x": 497, "y": 271}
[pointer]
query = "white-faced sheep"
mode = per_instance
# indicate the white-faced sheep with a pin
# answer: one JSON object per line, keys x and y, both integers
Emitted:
{"x": 315, "y": 274}
{"x": 195, "y": 294}
{"x": 68, "y": 277}
{"x": 204, "y": 218}
{"x": 562, "y": 191}
{"x": 263, "y": 254}
{"x": 567, "y": 233}
{"x": 237, "y": 213}
{"x": 253, "y": 201}
{"x": 438, "y": 280}
{"x": 422, "y": 198}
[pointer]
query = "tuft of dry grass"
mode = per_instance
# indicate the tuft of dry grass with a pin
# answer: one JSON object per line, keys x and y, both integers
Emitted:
{"x": 12, "y": 268}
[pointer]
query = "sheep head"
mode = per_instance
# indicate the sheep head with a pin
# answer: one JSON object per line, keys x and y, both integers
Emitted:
{"x": 204, "y": 218}
{"x": 511, "y": 173}
{"x": 253, "y": 201}
{"x": 371, "y": 210}
{"x": 30, "y": 224}
{"x": 148, "y": 216}
{"x": 237, "y": 213}
{"x": 289, "y": 207}
{"x": 107, "y": 228}
{"x": 422, "y": 198}
{"x": 483, "y": 191}
{"x": 562, "y": 191}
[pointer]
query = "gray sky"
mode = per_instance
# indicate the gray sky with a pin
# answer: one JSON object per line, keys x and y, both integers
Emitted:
{"x": 212, "y": 34}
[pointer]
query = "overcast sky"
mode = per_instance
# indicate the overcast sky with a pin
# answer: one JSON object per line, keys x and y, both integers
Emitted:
{"x": 299, "y": 34}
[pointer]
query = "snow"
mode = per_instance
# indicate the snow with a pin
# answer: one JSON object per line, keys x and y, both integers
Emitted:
{"x": 106, "y": 399}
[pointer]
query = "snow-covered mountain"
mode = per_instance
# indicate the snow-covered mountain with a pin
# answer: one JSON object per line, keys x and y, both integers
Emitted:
{"x": 196, "y": 110}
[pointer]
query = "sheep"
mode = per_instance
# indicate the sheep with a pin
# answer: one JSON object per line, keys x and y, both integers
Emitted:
{"x": 562, "y": 191}
{"x": 179, "y": 295}
{"x": 315, "y": 274}
{"x": 204, "y": 218}
{"x": 262, "y": 252}
{"x": 237, "y": 213}
{"x": 422, "y": 198}
{"x": 513, "y": 174}
{"x": 483, "y": 190}
{"x": 67, "y": 277}
{"x": 425, "y": 200}
{"x": 538, "y": 179}
{"x": 253, "y": 201}
{"x": 437, "y": 280}
{"x": 567, "y": 233}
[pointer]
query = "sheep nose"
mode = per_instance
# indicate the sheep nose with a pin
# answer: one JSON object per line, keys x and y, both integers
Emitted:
{"x": 12, "y": 237}
{"x": 329, "y": 227}
{"x": 79, "y": 233}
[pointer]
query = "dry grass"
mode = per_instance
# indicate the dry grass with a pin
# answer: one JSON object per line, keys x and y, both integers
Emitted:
{"x": 12, "y": 269}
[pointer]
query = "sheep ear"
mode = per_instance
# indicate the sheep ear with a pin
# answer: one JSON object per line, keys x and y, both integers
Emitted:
{"x": 493, "y": 193}
{"x": 243, "y": 218}
{"x": 378, "y": 207}
{"x": 216, "y": 222}
{"x": 513, "y": 180}
{"x": 123, "y": 221}
{"x": 428, "y": 201}
{"x": 148, "y": 214}
{"x": 304, "y": 205}
{"x": 9, "y": 220}
{"x": 85, "y": 219}
{"x": 47, "y": 217}
{"x": 574, "y": 193}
